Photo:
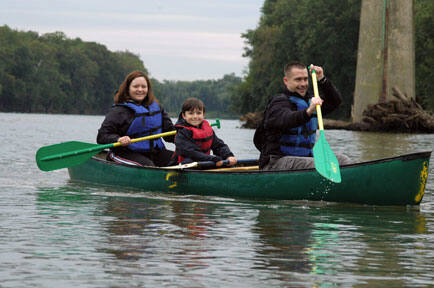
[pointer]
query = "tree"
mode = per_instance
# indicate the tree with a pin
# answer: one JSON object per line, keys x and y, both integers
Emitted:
{"x": 424, "y": 9}
{"x": 323, "y": 33}
{"x": 53, "y": 74}
{"x": 214, "y": 93}
{"x": 320, "y": 32}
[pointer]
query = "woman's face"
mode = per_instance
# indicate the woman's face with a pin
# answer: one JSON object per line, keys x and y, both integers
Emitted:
{"x": 138, "y": 89}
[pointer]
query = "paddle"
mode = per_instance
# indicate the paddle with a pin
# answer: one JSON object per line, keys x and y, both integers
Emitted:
{"x": 209, "y": 164}
{"x": 68, "y": 154}
{"x": 326, "y": 162}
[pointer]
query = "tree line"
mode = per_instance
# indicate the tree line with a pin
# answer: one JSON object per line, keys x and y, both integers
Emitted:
{"x": 324, "y": 33}
{"x": 215, "y": 94}
{"x": 51, "y": 73}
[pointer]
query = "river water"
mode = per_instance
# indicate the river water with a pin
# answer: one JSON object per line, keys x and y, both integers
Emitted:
{"x": 57, "y": 233}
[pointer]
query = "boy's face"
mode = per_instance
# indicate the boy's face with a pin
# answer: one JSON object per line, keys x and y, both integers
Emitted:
{"x": 193, "y": 117}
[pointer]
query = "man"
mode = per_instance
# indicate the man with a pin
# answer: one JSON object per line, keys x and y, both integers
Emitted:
{"x": 288, "y": 132}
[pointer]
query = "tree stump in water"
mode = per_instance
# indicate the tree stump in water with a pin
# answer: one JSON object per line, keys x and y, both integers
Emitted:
{"x": 400, "y": 114}
{"x": 252, "y": 120}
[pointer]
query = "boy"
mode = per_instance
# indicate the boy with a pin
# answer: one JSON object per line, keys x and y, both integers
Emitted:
{"x": 195, "y": 138}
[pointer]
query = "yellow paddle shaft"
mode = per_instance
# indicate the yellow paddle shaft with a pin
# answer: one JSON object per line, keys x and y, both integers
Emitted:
{"x": 316, "y": 94}
{"x": 148, "y": 137}
{"x": 160, "y": 135}
{"x": 246, "y": 168}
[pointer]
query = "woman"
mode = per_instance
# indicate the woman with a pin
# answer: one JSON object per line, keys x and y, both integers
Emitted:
{"x": 136, "y": 113}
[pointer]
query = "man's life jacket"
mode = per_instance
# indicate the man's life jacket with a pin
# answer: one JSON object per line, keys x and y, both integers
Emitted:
{"x": 299, "y": 141}
{"x": 203, "y": 137}
{"x": 147, "y": 121}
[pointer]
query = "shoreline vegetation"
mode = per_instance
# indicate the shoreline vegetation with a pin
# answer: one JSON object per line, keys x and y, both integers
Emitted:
{"x": 399, "y": 115}
{"x": 331, "y": 41}
{"x": 51, "y": 73}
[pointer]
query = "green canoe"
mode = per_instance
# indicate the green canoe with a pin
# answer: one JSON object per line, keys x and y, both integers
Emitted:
{"x": 398, "y": 180}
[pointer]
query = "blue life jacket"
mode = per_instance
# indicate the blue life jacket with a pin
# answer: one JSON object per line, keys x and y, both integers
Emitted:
{"x": 147, "y": 121}
{"x": 299, "y": 141}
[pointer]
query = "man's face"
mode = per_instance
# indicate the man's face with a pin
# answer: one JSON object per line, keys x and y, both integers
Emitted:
{"x": 297, "y": 81}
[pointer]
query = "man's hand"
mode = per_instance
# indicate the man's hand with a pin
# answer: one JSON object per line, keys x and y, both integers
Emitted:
{"x": 312, "y": 107}
{"x": 318, "y": 70}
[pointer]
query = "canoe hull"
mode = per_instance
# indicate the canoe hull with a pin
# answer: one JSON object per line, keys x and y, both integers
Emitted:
{"x": 392, "y": 181}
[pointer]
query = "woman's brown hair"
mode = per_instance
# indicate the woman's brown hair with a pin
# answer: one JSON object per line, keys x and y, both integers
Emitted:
{"x": 123, "y": 93}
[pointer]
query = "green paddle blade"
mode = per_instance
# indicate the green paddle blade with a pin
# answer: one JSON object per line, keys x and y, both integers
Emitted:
{"x": 66, "y": 154}
{"x": 326, "y": 162}
{"x": 72, "y": 153}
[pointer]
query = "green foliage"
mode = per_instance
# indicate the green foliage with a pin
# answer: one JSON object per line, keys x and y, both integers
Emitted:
{"x": 215, "y": 94}
{"x": 53, "y": 74}
{"x": 424, "y": 23}
{"x": 323, "y": 33}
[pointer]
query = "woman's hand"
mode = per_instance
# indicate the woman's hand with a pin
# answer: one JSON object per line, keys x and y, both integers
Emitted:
{"x": 124, "y": 140}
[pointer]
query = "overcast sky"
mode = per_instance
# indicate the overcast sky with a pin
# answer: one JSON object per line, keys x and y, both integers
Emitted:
{"x": 176, "y": 39}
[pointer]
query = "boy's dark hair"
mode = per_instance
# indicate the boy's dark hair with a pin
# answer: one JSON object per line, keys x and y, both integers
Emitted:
{"x": 294, "y": 64}
{"x": 192, "y": 104}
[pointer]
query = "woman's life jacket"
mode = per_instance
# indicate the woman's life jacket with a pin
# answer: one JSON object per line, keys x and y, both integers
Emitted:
{"x": 147, "y": 121}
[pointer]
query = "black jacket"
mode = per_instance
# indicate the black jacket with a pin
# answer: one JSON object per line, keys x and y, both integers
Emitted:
{"x": 281, "y": 114}
{"x": 118, "y": 120}
{"x": 187, "y": 147}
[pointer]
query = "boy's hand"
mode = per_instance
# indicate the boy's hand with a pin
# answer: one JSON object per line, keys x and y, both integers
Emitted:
{"x": 232, "y": 160}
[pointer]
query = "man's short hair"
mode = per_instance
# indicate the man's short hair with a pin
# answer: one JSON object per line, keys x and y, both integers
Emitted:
{"x": 294, "y": 64}
{"x": 192, "y": 104}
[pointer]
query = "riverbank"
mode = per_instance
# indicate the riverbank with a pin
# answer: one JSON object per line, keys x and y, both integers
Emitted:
{"x": 399, "y": 115}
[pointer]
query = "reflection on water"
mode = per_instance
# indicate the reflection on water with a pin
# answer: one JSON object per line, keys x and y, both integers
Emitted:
{"x": 54, "y": 232}
{"x": 213, "y": 241}
{"x": 365, "y": 146}
{"x": 285, "y": 235}
{"x": 129, "y": 219}
{"x": 379, "y": 145}
{"x": 341, "y": 244}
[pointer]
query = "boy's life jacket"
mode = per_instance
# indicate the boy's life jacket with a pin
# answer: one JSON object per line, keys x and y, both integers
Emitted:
{"x": 147, "y": 121}
{"x": 202, "y": 136}
{"x": 299, "y": 141}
